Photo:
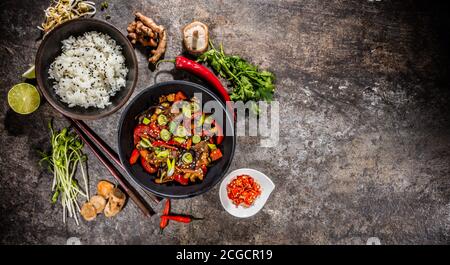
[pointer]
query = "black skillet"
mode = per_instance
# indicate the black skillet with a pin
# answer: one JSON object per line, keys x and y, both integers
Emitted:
{"x": 149, "y": 97}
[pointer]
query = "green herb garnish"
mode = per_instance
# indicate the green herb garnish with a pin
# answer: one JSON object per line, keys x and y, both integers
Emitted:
{"x": 249, "y": 82}
{"x": 63, "y": 159}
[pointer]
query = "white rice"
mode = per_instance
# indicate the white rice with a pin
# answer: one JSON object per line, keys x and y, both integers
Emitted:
{"x": 89, "y": 71}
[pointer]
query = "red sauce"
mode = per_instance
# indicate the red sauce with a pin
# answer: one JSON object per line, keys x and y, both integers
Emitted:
{"x": 243, "y": 190}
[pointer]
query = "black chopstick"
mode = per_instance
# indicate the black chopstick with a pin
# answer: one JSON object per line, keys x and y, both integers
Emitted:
{"x": 127, "y": 187}
{"x": 107, "y": 150}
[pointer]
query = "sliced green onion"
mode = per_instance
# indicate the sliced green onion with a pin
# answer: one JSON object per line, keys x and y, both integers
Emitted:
{"x": 181, "y": 131}
{"x": 195, "y": 107}
{"x": 208, "y": 120}
{"x": 186, "y": 109}
{"x": 170, "y": 167}
{"x": 172, "y": 126}
{"x": 199, "y": 121}
{"x": 196, "y": 139}
{"x": 162, "y": 119}
{"x": 165, "y": 135}
{"x": 144, "y": 142}
{"x": 187, "y": 158}
{"x": 163, "y": 154}
{"x": 146, "y": 121}
{"x": 158, "y": 111}
{"x": 179, "y": 140}
{"x": 212, "y": 146}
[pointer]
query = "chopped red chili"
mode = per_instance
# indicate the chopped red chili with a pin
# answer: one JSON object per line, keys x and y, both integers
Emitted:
{"x": 243, "y": 190}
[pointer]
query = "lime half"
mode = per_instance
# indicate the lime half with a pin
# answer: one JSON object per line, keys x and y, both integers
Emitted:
{"x": 24, "y": 98}
{"x": 30, "y": 73}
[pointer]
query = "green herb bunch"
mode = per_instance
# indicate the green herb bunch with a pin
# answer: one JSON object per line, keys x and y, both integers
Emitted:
{"x": 63, "y": 159}
{"x": 248, "y": 81}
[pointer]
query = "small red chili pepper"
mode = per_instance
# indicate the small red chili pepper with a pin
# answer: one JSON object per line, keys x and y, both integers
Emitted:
{"x": 159, "y": 143}
{"x": 180, "y": 179}
{"x": 164, "y": 221}
{"x": 142, "y": 130}
{"x": 172, "y": 142}
{"x": 219, "y": 132}
{"x": 181, "y": 218}
{"x": 204, "y": 169}
{"x": 215, "y": 154}
{"x": 134, "y": 156}
{"x": 183, "y": 63}
{"x": 188, "y": 143}
{"x": 139, "y": 131}
{"x": 179, "y": 96}
{"x": 147, "y": 167}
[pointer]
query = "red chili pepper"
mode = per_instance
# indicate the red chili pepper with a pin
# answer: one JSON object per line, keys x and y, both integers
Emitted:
{"x": 179, "y": 96}
{"x": 138, "y": 132}
{"x": 180, "y": 179}
{"x": 134, "y": 156}
{"x": 219, "y": 132}
{"x": 164, "y": 221}
{"x": 159, "y": 143}
{"x": 180, "y": 218}
{"x": 204, "y": 169}
{"x": 188, "y": 143}
{"x": 215, "y": 154}
{"x": 183, "y": 63}
{"x": 147, "y": 167}
{"x": 173, "y": 142}
{"x": 142, "y": 130}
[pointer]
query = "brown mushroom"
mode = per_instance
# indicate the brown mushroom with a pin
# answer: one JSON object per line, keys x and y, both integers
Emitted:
{"x": 98, "y": 202}
{"x": 104, "y": 188}
{"x": 115, "y": 203}
{"x": 88, "y": 211}
{"x": 195, "y": 37}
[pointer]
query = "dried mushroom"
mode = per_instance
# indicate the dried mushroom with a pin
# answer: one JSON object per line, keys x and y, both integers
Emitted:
{"x": 88, "y": 211}
{"x": 104, "y": 188}
{"x": 115, "y": 203}
{"x": 195, "y": 38}
{"x": 98, "y": 202}
{"x": 109, "y": 200}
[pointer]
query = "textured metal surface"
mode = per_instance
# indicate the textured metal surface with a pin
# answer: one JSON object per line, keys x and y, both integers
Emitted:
{"x": 364, "y": 148}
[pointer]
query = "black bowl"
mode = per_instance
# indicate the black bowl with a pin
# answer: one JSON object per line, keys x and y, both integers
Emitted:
{"x": 50, "y": 48}
{"x": 149, "y": 97}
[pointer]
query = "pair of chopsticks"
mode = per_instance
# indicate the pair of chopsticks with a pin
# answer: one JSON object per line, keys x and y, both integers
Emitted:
{"x": 95, "y": 143}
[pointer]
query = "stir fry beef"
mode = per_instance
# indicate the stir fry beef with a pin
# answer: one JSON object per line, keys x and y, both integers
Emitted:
{"x": 173, "y": 149}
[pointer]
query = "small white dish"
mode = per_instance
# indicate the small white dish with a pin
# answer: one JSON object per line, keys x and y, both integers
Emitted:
{"x": 240, "y": 211}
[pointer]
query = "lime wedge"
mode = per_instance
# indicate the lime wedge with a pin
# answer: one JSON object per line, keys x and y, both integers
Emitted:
{"x": 24, "y": 98}
{"x": 30, "y": 73}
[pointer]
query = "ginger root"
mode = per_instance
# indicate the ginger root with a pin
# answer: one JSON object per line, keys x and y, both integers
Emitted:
{"x": 147, "y": 33}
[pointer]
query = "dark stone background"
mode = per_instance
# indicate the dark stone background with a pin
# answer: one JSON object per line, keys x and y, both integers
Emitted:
{"x": 364, "y": 147}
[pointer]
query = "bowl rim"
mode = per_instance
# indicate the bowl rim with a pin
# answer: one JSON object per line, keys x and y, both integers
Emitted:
{"x": 45, "y": 92}
{"x": 123, "y": 158}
